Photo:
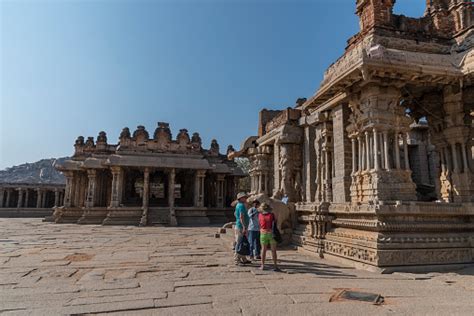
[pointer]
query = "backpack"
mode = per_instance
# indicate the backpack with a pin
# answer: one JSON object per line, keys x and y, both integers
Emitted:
{"x": 276, "y": 234}
{"x": 243, "y": 246}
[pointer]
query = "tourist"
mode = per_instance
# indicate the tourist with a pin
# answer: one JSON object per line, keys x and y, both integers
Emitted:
{"x": 241, "y": 224}
{"x": 267, "y": 220}
{"x": 254, "y": 231}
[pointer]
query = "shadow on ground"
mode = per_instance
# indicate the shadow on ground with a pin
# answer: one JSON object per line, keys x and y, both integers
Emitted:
{"x": 295, "y": 266}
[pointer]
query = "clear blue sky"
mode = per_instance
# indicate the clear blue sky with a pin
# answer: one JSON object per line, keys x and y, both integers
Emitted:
{"x": 72, "y": 68}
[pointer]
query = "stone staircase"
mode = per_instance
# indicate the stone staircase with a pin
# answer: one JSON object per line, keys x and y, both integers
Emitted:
{"x": 158, "y": 217}
{"x": 124, "y": 216}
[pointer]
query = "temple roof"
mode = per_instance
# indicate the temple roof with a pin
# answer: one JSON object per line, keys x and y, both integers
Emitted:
{"x": 140, "y": 142}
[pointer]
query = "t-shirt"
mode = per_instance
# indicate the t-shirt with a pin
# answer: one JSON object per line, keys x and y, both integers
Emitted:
{"x": 253, "y": 223}
{"x": 266, "y": 221}
{"x": 241, "y": 209}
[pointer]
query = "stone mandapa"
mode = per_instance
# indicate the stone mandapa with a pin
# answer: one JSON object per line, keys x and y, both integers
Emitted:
{"x": 378, "y": 164}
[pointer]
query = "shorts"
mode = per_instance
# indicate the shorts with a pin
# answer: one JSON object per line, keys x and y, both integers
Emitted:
{"x": 266, "y": 239}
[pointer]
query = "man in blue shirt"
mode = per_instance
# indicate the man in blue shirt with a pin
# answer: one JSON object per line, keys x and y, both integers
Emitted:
{"x": 241, "y": 224}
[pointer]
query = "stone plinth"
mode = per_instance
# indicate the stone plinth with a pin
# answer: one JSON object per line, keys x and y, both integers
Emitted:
{"x": 94, "y": 215}
{"x": 401, "y": 236}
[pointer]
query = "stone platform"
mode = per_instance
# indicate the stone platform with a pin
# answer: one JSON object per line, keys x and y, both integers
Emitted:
{"x": 48, "y": 269}
{"x": 14, "y": 212}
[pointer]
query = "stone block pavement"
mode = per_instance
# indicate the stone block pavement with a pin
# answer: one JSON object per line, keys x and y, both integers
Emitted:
{"x": 51, "y": 269}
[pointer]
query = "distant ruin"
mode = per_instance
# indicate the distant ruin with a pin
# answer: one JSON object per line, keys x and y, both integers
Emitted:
{"x": 31, "y": 189}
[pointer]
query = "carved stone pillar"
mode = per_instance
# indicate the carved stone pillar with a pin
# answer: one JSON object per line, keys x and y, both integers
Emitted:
{"x": 371, "y": 151}
{"x": 39, "y": 198}
{"x": 397, "y": 150}
{"x": 44, "y": 198}
{"x": 268, "y": 189}
{"x": 197, "y": 192}
{"x": 91, "y": 188}
{"x": 385, "y": 151}
{"x": 405, "y": 152}
{"x": 286, "y": 168}
{"x": 381, "y": 150}
{"x": 117, "y": 179}
{"x": 363, "y": 155}
{"x": 146, "y": 188}
{"x": 357, "y": 167}
{"x": 320, "y": 226}
{"x": 260, "y": 164}
{"x": 7, "y": 202}
{"x": 20, "y": 198}
{"x": 354, "y": 156}
{"x": 199, "y": 188}
{"x": 27, "y": 198}
{"x": 220, "y": 190}
{"x": 376, "y": 150}
{"x": 2, "y": 197}
{"x": 342, "y": 162}
{"x": 77, "y": 189}
{"x": 323, "y": 148}
{"x": 146, "y": 196}
{"x": 367, "y": 152}
{"x": 56, "y": 197}
{"x": 443, "y": 161}
{"x": 253, "y": 170}
{"x": 276, "y": 169}
{"x": 464, "y": 158}
{"x": 61, "y": 198}
{"x": 259, "y": 182}
{"x": 455, "y": 158}
{"x": 171, "y": 187}
{"x": 309, "y": 164}
{"x": 68, "y": 192}
{"x": 327, "y": 176}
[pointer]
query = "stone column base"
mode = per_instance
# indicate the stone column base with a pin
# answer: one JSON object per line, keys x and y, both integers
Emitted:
{"x": 383, "y": 185}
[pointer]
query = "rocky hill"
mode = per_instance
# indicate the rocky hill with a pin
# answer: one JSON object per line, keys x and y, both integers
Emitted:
{"x": 42, "y": 171}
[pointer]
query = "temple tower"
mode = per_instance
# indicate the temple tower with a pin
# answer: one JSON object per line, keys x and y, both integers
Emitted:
{"x": 450, "y": 16}
{"x": 373, "y": 13}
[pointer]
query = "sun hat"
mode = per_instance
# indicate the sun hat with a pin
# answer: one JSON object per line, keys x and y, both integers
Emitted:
{"x": 265, "y": 207}
{"x": 241, "y": 195}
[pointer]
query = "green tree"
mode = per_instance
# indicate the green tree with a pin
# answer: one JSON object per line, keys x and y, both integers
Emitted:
{"x": 244, "y": 183}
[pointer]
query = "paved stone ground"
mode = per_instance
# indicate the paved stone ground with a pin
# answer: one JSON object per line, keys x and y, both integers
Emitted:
{"x": 49, "y": 269}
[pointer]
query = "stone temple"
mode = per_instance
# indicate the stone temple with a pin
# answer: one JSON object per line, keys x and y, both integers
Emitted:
{"x": 378, "y": 164}
{"x": 147, "y": 180}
